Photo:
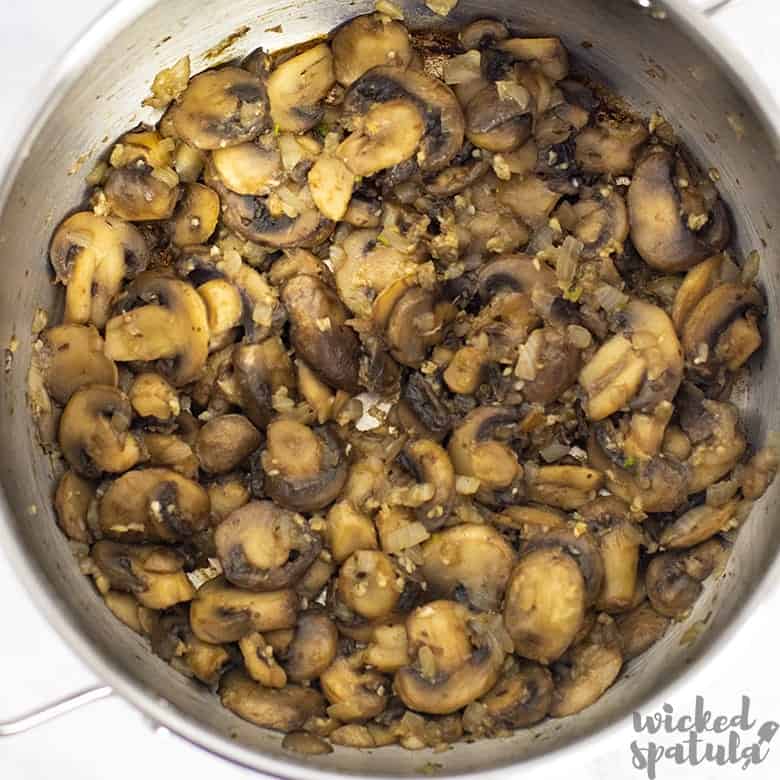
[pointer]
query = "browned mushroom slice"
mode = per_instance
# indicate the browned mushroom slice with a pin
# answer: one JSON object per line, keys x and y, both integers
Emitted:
{"x": 529, "y": 198}
{"x": 565, "y": 487}
{"x": 700, "y": 280}
{"x": 531, "y": 519}
{"x": 439, "y": 115}
{"x": 138, "y": 193}
{"x": 221, "y": 613}
{"x": 496, "y": 122}
{"x": 478, "y": 448}
{"x": 545, "y": 603}
{"x": 457, "y": 177}
{"x": 94, "y": 435}
{"x": 262, "y": 547}
{"x": 465, "y": 373}
{"x": 556, "y": 126}
{"x": 639, "y": 629}
{"x": 221, "y": 107}
{"x": 760, "y": 472}
{"x": 718, "y": 440}
{"x": 656, "y": 484}
{"x": 225, "y": 442}
{"x": 556, "y": 365}
{"x": 124, "y": 607}
{"x": 331, "y": 183}
{"x": 305, "y": 468}
{"x": 516, "y": 273}
{"x": 354, "y": 693}
{"x": 600, "y": 223}
{"x": 72, "y": 356}
{"x": 319, "y": 333}
{"x": 196, "y": 215}
{"x": 716, "y": 333}
{"x": 457, "y": 658}
{"x": 153, "y": 504}
{"x": 368, "y": 41}
{"x": 660, "y": 233}
{"x": 610, "y": 146}
{"x": 247, "y": 169}
{"x": 348, "y": 530}
{"x": 226, "y": 494}
{"x": 587, "y": 670}
{"x": 259, "y": 661}
{"x": 430, "y": 464}
{"x": 152, "y": 574}
{"x": 609, "y": 519}
{"x": 521, "y": 697}
{"x": 154, "y": 400}
{"x": 297, "y": 87}
{"x": 281, "y": 709}
{"x": 389, "y": 648}
{"x": 313, "y": 647}
{"x": 421, "y": 411}
{"x": 674, "y": 579}
{"x": 165, "y": 449}
{"x": 469, "y": 563}
{"x": 91, "y": 255}
{"x": 72, "y": 500}
{"x": 698, "y": 524}
{"x": 160, "y": 319}
{"x": 548, "y": 53}
{"x": 261, "y": 370}
{"x": 639, "y": 367}
{"x": 483, "y": 33}
{"x": 367, "y": 584}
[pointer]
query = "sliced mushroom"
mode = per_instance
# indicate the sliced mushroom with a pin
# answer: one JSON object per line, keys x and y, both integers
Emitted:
{"x": 367, "y": 584}
{"x": 354, "y": 693}
{"x": 656, "y": 484}
{"x": 160, "y": 319}
{"x": 469, "y": 563}
{"x": 483, "y": 33}
{"x": 155, "y": 504}
{"x": 439, "y": 119}
{"x": 600, "y": 223}
{"x": 368, "y": 41}
{"x": 658, "y": 228}
{"x": 478, "y": 449}
{"x": 297, "y": 87}
{"x": 220, "y": 613}
{"x": 558, "y": 362}
{"x": 421, "y": 411}
{"x": 610, "y": 147}
{"x": 531, "y": 519}
{"x": 331, "y": 183}
{"x": 389, "y": 649}
{"x": 348, "y": 530}
{"x": 717, "y": 332}
{"x": 640, "y": 367}
{"x": 640, "y": 629}
{"x": 94, "y": 432}
{"x": 259, "y": 661}
{"x": 430, "y": 464}
{"x": 498, "y": 123}
{"x": 565, "y": 487}
{"x": 165, "y": 449}
{"x": 457, "y": 177}
{"x": 587, "y": 670}
{"x": 674, "y": 579}
{"x": 281, "y": 709}
{"x": 139, "y": 193}
{"x": 72, "y": 501}
{"x": 759, "y": 473}
{"x": 521, "y": 697}
{"x": 72, "y": 356}
{"x": 262, "y": 547}
{"x": 226, "y": 494}
{"x": 154, "y": 400}
{"x": 548, "y": 53}
{"x": 305, "y": 468}
{"x": 529, "y": 198}
{"x": 515, "y": 273}
{"x": 152, "y": 574}
{"x": 697, "y": 525}
{"x": 313, "y": 648}
{"x": 125, "y": 607}
{"x": 225, "y": 442}
{"x": 457, "y": 659}
{"x": 248, "y": 169}
{"x": 221, "y": 107}
{"x": 718, "y": 440}
{"x": 319, "y": 333}
{"x": 196, "y": 215}
{"x": 92, "y": 255}
{"x": 545, "y": 603}
{"x": 609, "y": 519}
{"x": 466, "y": 371}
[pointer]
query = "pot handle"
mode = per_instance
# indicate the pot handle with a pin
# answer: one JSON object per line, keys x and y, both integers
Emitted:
{"x": 38, "y": 717}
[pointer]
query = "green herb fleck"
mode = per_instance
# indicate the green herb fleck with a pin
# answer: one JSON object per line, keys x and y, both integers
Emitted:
{"x": 629, "y": 462}
{"x": 277, "y": 129}
{"x": 322, "y": 130}
{"x": 573, "y": 294}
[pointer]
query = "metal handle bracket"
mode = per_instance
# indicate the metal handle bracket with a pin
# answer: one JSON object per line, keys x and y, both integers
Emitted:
{"x": 48, "y": 712}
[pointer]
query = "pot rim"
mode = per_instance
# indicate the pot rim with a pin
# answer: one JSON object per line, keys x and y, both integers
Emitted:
{"x": 121, "y": 14}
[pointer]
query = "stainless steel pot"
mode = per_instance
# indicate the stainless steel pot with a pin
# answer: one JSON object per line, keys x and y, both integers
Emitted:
{"x": 666, "y": 57}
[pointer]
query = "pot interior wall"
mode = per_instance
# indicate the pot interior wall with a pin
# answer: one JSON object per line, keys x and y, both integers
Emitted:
{"x": 649, "y": 61}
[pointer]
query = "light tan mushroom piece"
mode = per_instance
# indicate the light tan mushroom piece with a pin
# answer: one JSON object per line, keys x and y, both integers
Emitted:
{"x": 367, "y": 584}
{"x": 225, "y": 442}
{"x": 196, "y": 214}
{"x": 72, "y": 502}
{"x": 92, "y": 255}
{"x": 640, "y": 629}
{"x": 610, "y": 146}
{"x": 313, "y": 647}
{"x": 354, "y": 692}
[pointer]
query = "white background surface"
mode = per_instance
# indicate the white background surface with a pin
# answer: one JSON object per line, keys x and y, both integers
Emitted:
{"x": 110, "y": 739}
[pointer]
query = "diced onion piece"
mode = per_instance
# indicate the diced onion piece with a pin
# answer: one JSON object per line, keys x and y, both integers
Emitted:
{"x": 579, "y": 337}
{"x": 511, "y": 90}
{"x": 610, "y": 298}
{"x": 463, "y": 68}
{"x": 567, "y": 261}
{"x": 528, "y": 357}
{"x": 406, "y": 536}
